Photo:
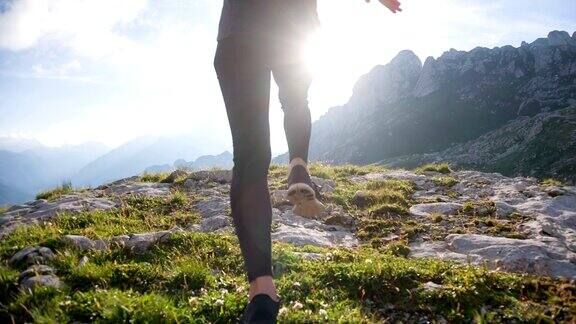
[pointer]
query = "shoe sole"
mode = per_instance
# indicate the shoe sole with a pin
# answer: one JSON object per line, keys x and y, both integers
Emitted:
{"x": 304, "y": 200}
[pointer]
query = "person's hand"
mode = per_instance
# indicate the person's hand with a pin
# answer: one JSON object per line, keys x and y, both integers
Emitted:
{"x": 393, "y": 5}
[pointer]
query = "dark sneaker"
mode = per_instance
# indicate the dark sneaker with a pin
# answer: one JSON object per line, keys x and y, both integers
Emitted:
{"x": 303, "y": 193}
{"x": 262, "y": 309}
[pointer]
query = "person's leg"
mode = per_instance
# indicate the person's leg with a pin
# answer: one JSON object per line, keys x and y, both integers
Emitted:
{"x": 293, "y": 80}
{"x": 244, "y": 77}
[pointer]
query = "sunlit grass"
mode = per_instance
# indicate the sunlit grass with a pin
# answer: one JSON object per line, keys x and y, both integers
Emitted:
{"x": 53, "y": 194}
{"x": 445, "y": 181}
{"x": 435, "y": 167}
{"x": 154, "y": 176}
{"x": 551, "y": 182}
{"x": 138, "y": 214}
{"x": 200, "y": 278}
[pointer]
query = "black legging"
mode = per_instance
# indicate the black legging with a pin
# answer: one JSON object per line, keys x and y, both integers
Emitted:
{"x": 243, "y": 65}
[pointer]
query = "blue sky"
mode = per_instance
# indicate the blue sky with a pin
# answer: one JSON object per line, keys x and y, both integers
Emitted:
{"x": 106, "y": 70}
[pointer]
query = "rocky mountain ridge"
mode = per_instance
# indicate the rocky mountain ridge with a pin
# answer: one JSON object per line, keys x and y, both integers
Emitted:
{"x": 540, "y": 146}
{"x": 406, "y": 107}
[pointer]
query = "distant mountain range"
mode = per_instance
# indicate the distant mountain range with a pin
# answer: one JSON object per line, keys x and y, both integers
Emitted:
{"x": 204, "y": 162}
{"x": 28, "y": 167}
{"x": 504, "y": 109}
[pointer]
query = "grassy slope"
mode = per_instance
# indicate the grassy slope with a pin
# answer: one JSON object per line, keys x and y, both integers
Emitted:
{"x": 199, "y": 277}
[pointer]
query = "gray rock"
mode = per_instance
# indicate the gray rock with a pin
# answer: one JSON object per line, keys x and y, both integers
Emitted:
{"x": 119, "y": 240}
{"x": 140, "y": 243}
{"x": 139, "y": 189}
{"x": 341, "y": 219}
{"x": 326, "y": 185}
{"x": 503, "y": 209}
{"x": 192, "y": 184}
{"x": 6, "y": 220}
{"x": 278, "y": 198}
{"x": 21, "y": 255}
{"x": 443, "y": 208}
{"x": 19, "y": 210}
{"x": 431, "y": 286}
{"x": 303, "y": 231}
{"x": 215, "y": 205}
{"x": 310, "y": 255}
{"x": 220, "y": 176}
{"x": 38, "y": 269}
{"x": 214, "y": 223}
{"x": 194, "y": 228}
{"x": 83, "y": 243}
{"x": 41, "y": 280}
{"x": 45, "y": 253}
{"x": 528, "y": 256}
{"x": 31, "y": 255}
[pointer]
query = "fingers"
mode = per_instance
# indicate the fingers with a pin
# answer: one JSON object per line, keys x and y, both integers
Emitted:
{"x": 392, "y": 5}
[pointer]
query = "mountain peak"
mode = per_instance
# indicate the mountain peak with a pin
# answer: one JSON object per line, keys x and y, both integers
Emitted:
{"x": 557, "y": 37}
{"x": 390, "y": 82}
{"x": 406, "y": 58}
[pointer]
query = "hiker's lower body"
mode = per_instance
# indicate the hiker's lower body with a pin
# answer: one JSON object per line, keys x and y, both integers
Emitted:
{"x": 244, "y": 66}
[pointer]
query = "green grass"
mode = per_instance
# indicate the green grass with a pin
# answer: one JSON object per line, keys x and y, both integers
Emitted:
{"x": 138, "y": 214}
{"x": 53, "y": 194}
{"x": 479, "y": 208}
{"x": 154, "y": 177}
{"x": 199, "y": 278}
{"x": 550, "y": 182}
{"x": 344, "y": 171}
{"x": 445, "y": 181}
{"x": 435, "y": 167}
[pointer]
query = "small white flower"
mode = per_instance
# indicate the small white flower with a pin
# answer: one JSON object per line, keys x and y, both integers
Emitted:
{"x": 223, "y": 291}
{"x": 297, "y": 305}
{"x": 203, "y": 291}
{"x": 283, "y": 310}
{"x": 219, "y": 302}
{"x": 296, "y": 284}
{"x": 323, "y": 313}
{"x": 240, "y": 289}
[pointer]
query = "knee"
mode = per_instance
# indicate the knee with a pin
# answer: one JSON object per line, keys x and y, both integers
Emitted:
{"x": 252, "y": 163}
{"x": 296, "y": 106}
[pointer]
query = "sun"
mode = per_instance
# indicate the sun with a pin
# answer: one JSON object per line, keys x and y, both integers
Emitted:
{"x": 313, "y": 52}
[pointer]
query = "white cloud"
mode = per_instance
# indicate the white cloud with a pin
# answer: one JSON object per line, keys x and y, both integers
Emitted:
{"x": 87, "y": 26}
{"x": 59, "y": 71}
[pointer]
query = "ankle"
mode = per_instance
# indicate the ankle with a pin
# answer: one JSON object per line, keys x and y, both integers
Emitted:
{"x": 297, "y": 161}
{"x": 263, "y": 285}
